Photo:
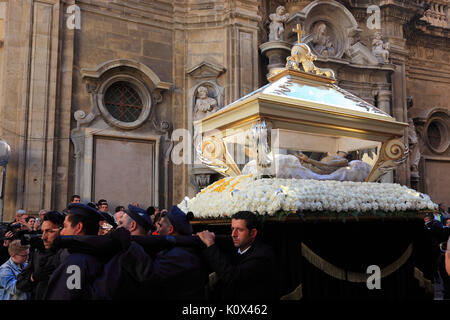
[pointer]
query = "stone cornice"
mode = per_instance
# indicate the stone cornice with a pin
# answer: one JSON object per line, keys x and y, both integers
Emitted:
{"x": 425, "y": 28}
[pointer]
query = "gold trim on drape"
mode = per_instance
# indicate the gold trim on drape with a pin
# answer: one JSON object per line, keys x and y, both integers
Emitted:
{"x": 423, "y": 282}
{"x": 341, "y": 274}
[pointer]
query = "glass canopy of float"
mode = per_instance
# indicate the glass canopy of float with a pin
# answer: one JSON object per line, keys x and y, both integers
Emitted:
{"x": 299, "y": 111}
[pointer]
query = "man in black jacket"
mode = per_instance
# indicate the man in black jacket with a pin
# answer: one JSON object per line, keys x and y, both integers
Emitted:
{"x": 73, "y": 278}
{"x": 249, "y": 273}
{"x": 34, "y": 278}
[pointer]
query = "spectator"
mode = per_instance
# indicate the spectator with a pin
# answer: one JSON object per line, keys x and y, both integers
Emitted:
{"x": 4, "y": 254}
{"x": 30, "y": 222}
{"x": 137, "y": 221}
{"x": 42, "y": 213}
{"x": 444, "y": 214}
{"x": 39, "y": 220}
{"x": 81, "y": 220}
{"x": 21, "y": 215}
{"x": 120, "y": 211}
{"x": 250, "y": 272}
{"x": 10, "y": 269}
{"x": 34, "y": 278}
{"x": 75, "y": 199}
{"x": 436, "y": 235}
{"x": 102, "y": 205}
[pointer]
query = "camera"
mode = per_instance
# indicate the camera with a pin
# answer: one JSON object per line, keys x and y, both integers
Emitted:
{"x": 25, "y": 236}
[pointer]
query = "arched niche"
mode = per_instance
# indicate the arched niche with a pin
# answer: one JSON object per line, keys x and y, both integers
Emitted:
{"x": 341, "y": 25}
{"x": 215, "y": 91}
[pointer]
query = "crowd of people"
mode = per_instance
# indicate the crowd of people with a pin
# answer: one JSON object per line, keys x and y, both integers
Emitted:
{"x": 86, "y": 252}
{"x": 438, "y": 227}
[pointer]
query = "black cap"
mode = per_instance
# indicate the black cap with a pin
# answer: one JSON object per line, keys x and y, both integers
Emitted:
{"x": 141, "y": 217}
{"x": 109, "y": 218}
{"x": 179, "y": 221}
{"x": 85, "y": 210}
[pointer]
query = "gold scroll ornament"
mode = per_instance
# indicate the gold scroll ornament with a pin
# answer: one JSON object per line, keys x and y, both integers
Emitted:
{"x": 214, "y": 154}
{"x": 392, "y": 153}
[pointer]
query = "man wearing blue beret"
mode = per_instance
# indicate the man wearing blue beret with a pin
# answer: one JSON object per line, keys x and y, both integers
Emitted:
{"x": 174, "y": 274}
{"x": 72, "y": 280}
{"x": 137, "y": 221}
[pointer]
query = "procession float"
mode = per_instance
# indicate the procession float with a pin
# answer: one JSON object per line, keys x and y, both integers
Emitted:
{"x": 311, "y": 159}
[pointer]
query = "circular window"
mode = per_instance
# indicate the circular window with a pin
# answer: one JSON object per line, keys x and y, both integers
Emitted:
{"x": 437, "y": 135}
{"x": 123, "y": 102}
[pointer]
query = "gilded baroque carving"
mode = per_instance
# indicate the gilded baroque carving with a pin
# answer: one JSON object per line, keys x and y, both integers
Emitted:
{"x": 301, "y": 55}
{"x": 392, "y": 153}
{"x": 214, "y": 154}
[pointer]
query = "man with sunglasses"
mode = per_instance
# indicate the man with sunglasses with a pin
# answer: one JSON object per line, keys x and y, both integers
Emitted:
{"x": 34, "y": 278}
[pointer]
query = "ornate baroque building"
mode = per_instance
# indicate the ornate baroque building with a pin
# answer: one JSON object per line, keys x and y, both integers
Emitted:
{"x": 93, "y": 91}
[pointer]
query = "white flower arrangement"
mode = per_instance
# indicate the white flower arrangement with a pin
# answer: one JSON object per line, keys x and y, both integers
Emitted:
{"x": 269, "y": 196}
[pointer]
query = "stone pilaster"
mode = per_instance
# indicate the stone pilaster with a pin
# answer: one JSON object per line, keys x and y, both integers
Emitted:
{"x": 394, "y": 15}
{"x": 31, "y": 52}
{"x": 384, "y": 100}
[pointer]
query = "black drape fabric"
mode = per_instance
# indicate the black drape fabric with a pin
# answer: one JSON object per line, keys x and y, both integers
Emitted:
{"x": 352, "y": 246}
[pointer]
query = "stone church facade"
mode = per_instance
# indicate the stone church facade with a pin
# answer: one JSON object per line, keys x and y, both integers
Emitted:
{"x": 92, "y": 91}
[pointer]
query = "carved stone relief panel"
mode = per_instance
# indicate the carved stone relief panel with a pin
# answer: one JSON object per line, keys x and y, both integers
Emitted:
{"x": 331, "y": 29}
{"x": 324, "y": 42}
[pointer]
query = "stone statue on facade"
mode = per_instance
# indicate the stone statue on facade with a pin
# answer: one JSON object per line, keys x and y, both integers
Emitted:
{"x": 380, "y": 49}
{"x": 322, "y": 43}
{"x": 277, "y": 25}
{"x": 413, "y": 143}
{"x": 204, "y": 105}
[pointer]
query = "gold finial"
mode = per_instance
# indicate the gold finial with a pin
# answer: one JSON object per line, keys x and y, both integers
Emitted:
{"x": 298, "y": 30}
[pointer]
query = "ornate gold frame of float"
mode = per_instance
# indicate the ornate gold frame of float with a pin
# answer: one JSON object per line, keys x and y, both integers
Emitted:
{"x": 309, "y": 112}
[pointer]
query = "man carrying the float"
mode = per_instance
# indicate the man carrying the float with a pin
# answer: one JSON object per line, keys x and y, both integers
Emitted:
{"x": 249, "y": 273}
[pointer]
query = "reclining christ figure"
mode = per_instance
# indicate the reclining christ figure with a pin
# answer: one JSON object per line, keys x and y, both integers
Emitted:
{"x": 332, "y": 167}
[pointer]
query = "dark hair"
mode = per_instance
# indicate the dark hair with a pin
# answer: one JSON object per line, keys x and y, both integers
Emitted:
{"x": 90, "y": 226}
{"x": 349, "y": 157}
{"x": 55, "y": 217}
{"x": 92, "y": 205}
{"x": 102, "y": 201}
{"x": 74, "y": 196}
{"x": 251, "y": 220}
{"x": 151, "y": 210}
{"x": 28, "y": 218}
{"x": 119, "y": 208}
